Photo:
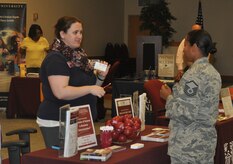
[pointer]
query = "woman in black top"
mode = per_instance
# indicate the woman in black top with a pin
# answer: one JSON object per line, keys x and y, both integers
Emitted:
{"x": 67, "y": 78}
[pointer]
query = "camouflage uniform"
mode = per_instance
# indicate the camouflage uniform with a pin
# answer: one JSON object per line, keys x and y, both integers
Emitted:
{"x": 193, "y": 110}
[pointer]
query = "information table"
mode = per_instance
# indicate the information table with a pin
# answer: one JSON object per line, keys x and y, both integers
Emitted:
{"x": 152, "y": 153}
{"x": 24, "y": 97}
{"x": 224, "y": 149}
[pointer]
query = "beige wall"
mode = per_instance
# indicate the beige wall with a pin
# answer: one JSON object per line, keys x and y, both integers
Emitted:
{"x": 102, "y": 19}
{"x": 107, "y": 20}
{"x": 217, "y": 21}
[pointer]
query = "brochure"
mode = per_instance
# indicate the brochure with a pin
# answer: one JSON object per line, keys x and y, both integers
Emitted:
{"x": 157, "y": 135}
{"x": 142, "y": 109}
{"x": 124, "y": 106}
{"x": 76, "y": 130}
{"x": 86, "y": 130}
{"x": 154, "y": 137}
{"x": 161, "y": 131}
{"x": 96, "y": 154}
{"x": 68, "y": 131}
{"x": 116, "y": 148}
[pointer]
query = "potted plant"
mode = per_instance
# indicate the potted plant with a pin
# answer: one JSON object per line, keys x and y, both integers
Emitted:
{"x": 157, "y": 19}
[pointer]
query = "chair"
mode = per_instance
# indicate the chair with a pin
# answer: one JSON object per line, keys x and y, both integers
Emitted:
{"x": 18, "y": 147}
{"x": 109, "y": 55}
{"x": 152, "y": 88}
{"x": 14, "y": 151}
{"x": 109, "y": 78}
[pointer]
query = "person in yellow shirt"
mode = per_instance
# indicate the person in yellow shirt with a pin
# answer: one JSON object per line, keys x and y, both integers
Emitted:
{"x": 35, "y": 47}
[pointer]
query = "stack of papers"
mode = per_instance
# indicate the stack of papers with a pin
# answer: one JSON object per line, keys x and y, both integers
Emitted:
{"x": 96, "y": 154}
{"x": 158, "y": 135}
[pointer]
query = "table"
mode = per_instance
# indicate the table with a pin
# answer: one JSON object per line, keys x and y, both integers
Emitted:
{"x": 152, "y": 153}
{"x": 5, "y": 79}
{"x": 24, "y": 97}
{"x": 224, "y": 149}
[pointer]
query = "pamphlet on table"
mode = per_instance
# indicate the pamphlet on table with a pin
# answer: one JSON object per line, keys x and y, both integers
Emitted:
{"x": 76, "y": 130}
{"x": 157, "y": 135}
{"x": 101, "y": 154}
{"x": 96, "y": 154}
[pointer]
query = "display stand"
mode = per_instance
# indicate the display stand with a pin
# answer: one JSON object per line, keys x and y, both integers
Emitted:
{"x": 68, "y": 131}
{"x": 124, "y": 106}
{"x": 142, "y": 109}
{"x": 76, "y": 131}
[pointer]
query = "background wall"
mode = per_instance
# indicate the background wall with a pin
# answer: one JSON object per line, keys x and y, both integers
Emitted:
{"x": 217, "y": 21}
{"x": 102, "y": 19}
{"x": 107, "y": 21}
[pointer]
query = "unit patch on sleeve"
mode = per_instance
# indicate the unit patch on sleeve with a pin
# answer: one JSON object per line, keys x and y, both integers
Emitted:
{"x": 190, "y": 88}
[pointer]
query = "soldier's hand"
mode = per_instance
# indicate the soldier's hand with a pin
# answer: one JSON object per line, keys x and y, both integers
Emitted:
{"x": 165, "y": 91}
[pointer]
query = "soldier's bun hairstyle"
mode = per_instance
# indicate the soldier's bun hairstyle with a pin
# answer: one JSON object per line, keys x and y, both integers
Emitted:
{"x": 203, "y": 41}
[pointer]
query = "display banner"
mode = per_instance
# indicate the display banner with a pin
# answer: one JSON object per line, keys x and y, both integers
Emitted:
{"x": 12, "y": 23}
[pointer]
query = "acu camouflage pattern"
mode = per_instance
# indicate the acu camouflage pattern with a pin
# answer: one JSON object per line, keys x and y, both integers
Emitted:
{"x": 193, "y": 111}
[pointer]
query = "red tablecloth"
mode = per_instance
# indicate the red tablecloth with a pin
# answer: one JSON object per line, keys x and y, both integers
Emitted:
{"x": 24, "y": 97}
{"x": 152, "y": 153}
{"x": 224, "y": 149}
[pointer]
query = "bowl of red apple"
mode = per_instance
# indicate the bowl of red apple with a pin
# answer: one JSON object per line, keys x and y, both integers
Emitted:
{"x": 126, "y": 128}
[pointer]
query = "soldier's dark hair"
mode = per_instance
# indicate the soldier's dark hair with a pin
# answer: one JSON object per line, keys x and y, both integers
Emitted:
{"x": 63, "y": 24}
{"x": 203, "y": 41}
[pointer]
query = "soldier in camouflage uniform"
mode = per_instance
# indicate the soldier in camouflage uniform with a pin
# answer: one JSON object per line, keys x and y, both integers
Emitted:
{"x": 192, "y": 106}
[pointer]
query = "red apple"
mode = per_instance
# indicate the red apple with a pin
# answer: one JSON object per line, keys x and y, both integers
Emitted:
{"x": 136, "y": 126}
{"x": 122, "y": 138}
{"x": 128, "y": 131}
{"x": 119, "y": 127}
{"x": 127, "y": 116}
{"x": 115, "y": 135}
{"x": 128, "y": 122}
{"x": 137, "y": 119}
{"x": 116, "y": 119}
{"x": 133, "y": 136}
{"x": 108, "y": 123}
{"x": 119, "y": 118}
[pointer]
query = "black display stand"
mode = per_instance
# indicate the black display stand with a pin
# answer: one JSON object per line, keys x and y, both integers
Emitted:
{"x": 148, "y": 48}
